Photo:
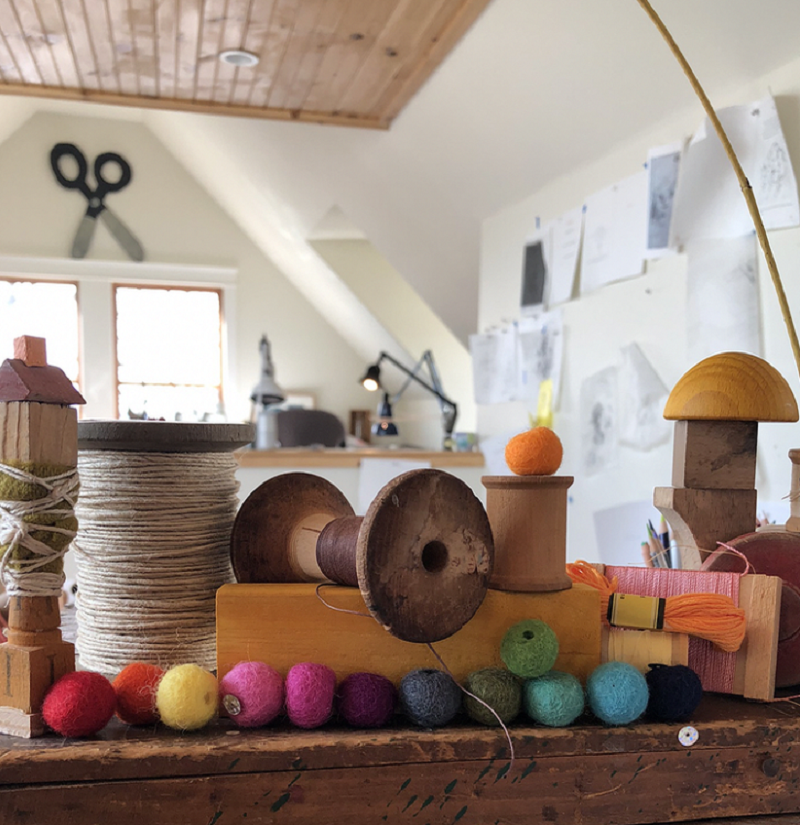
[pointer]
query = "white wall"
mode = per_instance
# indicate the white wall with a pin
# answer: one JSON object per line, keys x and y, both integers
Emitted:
{"x": 176, "y": 222}
{"x": 597, "y": 326}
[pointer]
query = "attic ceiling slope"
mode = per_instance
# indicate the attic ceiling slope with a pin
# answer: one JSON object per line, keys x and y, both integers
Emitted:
{"x": 349, "y": 62}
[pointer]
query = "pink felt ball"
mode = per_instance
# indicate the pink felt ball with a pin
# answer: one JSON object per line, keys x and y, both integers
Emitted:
{"x": 79, "y": 704}
{"x": 252, "y": 694}
{"x": 366, "y": 700}
{"x": 309, "y": 694}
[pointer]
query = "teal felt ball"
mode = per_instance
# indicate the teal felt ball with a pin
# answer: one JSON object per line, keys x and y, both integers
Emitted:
{"x": 529, "y": 649}
{"x": 499, "y": 689}
{"x": 555, "y": 699}
{"x": 617, "y": 693}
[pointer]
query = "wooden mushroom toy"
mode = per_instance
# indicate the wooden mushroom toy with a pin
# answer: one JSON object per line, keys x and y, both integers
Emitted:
{"x": 716, "y": 407}
{"x": 38, "y": 458}
{"x": 421, "y": 555}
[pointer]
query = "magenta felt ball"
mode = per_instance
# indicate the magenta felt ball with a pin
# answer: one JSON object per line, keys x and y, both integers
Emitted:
{"x": 252, "y": 694}
{"x": 366, "y": 700}
{"x": 309, "y": 694}
{"x": 79, "y": 704}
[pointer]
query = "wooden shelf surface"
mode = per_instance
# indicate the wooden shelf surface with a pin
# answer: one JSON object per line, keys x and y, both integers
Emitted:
{"x": 746, "y": 762}
{"x": 346, "y": 457}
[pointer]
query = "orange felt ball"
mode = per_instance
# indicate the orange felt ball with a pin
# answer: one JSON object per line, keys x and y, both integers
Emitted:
{"x": 536, "y": 452}
{"x": 136, "y": 687}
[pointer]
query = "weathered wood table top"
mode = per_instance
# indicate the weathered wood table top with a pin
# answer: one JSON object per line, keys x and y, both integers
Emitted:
{"x": 746, "y": 762}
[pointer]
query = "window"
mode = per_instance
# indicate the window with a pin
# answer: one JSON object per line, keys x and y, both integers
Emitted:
{"x": 169, "y": 352}
{"x": 46, "y": 309}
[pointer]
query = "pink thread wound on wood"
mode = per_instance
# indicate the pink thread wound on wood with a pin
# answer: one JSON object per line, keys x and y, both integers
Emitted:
{"x": 714, "y": 667}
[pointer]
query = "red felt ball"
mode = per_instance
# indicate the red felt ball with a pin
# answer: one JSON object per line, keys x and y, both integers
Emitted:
{"x": 79, "y": 704}
{"x": 136, "y": 687}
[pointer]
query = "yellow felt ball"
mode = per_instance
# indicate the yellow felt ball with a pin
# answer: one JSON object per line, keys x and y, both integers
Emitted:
{"x": 187, "y": 697}
{"x": 536, "y": 452}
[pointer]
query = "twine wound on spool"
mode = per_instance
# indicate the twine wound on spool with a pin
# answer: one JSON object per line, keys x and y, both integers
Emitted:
{"x": 152, "y": 549}
{"x": 37, "y": 523}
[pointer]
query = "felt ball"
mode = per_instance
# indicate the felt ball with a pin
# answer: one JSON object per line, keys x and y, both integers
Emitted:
{"x": 529, "y": 648}
{"x": 366, "y": 700}
{"x": 429, "y": 698}
{"x": 675, "y": 692}
{"x": 310, "y": 689}
{"x": 135, "y": 686}
{"x": 252, "y": 694}
{"x": 499, "y": 689}
{"x": 536, "y": 452}
{"x": 79, "y": 704}
{"x": 186, "y": 698}
{"x": 617, "y": 693}
{"x": 555, "y": 699}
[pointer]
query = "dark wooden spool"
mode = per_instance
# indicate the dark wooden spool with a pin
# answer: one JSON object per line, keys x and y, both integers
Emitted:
{"x": 421, "y": 556}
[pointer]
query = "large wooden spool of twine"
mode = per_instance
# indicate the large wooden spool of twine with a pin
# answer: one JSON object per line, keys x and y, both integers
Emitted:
{"x": 421, "y": 555}
{"x": 157, "y": 505}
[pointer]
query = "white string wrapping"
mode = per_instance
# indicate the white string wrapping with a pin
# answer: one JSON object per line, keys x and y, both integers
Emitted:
{"x": 152, "y": 549}
{"x": 25, "y": 576}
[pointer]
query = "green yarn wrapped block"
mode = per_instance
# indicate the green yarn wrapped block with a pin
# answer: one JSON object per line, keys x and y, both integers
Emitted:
{"x": 12, "y": 489}
{"x": 500, "y": 690}
{"x": 529, "y": 649}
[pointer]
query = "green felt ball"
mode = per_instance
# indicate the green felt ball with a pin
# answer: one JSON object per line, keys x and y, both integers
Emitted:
{"x": 529, "y": 649}
{"x": 499, "y": 689}
{"x": 555, "y": 699}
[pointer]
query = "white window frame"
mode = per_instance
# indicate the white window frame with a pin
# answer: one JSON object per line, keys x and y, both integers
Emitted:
{"x": 96, "y": 280}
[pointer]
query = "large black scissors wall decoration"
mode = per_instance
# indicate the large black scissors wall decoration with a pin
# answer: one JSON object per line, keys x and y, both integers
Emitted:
{"x": 96, "y": 207}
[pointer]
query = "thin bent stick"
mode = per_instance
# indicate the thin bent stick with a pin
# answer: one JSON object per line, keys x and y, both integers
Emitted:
{"x": 747, "y": 189}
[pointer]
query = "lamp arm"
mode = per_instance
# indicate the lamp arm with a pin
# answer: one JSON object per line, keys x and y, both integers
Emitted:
{"x": 449, "y": 408}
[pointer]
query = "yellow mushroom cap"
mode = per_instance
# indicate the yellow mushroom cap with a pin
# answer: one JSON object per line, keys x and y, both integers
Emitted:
{"x": 732, "y": 386}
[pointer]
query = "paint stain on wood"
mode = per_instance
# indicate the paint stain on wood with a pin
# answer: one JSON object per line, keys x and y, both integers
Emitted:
{"x": 410, "y": 802}
{"x": 424, "y": 805}
{"x": 214, "y": 818}
{"x": 448, "y": 788}
{"x": 280, "y": 802}
{"x": 503, "y": 771}
{"x": 460, "y": 814}
{"x": 233, "y": 764}
{"x": 531, "y": 767}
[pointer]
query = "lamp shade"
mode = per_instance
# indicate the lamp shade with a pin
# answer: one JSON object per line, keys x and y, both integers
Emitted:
{"x": 385, "y": 426}
{"x": 372, "y": 378}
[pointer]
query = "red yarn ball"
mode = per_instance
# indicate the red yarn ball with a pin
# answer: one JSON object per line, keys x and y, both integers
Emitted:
{"x": 135, "y": 687}
{"x": 79, "y": 704}
{"x": 309, "y": 694}
{"x": 366, "y": 700}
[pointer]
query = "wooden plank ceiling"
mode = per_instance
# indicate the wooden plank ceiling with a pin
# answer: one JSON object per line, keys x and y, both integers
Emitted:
{"x": 351, "y": 62}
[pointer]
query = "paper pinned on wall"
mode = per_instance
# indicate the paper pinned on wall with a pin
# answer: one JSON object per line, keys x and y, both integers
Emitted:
{"x": 620, "y": 530}
{"x": 494, "y": 365}
{"x": 708, "y": 200}
{"x": 722, "y": 297}
{"x": 642, "y": 396}
{"x": 614, "y": 233}
{"x": 567, "y": 232}
{"x": 598, "y": 412}
{"x": 376, "y": 473}
{"x": 493, "y": 449}
{"x": 540, "y": 348}
{"x": 663, "y": 165}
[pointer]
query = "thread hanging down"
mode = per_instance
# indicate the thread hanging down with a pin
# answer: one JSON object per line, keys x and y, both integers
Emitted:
{"x": 153, "y": 547}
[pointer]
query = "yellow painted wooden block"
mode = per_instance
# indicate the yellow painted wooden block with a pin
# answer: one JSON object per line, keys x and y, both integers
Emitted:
{"x": 284, "y": 624}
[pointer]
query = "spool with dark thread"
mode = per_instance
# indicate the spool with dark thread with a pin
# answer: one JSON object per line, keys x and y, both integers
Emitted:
{"x": 421, "y": 556}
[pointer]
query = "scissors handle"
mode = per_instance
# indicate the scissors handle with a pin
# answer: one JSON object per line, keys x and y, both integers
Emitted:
{"x": 79, "y": 181}
{"x": 104, "y": 185}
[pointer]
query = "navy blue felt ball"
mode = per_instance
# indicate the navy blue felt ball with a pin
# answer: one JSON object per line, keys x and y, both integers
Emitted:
{"x": 675, "y": 692}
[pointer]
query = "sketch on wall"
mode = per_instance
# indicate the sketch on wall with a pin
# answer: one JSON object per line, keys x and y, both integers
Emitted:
{"x": 642, "y": 396}
{"x": 663, "y": 164}
{"x": 598, "y": 413}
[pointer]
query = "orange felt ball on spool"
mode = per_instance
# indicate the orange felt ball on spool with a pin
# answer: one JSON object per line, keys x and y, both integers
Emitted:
{"x": 136, "y": 687}
{"x": 536, "y": 452}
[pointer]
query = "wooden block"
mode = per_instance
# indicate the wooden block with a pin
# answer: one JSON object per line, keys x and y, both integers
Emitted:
{"x": 641, "y": 648}
{"x": 26, "y": 673}
{"x": 756, "y": 660}
{"x": 31, "y": 350}
{"x": 701, "y": 518}
{"x": 715, "y": 455}
{"x": 39, "y": 433}
{"x": 285, "y": 624}
{"x": 15, "y": 722}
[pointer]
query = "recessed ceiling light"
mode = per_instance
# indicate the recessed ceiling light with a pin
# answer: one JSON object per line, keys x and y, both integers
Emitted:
{"x": 236, "y": 57}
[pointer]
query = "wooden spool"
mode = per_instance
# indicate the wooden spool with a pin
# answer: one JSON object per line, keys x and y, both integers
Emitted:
{"x": 528, "y": 515}
{"x": 422, "y": 554}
